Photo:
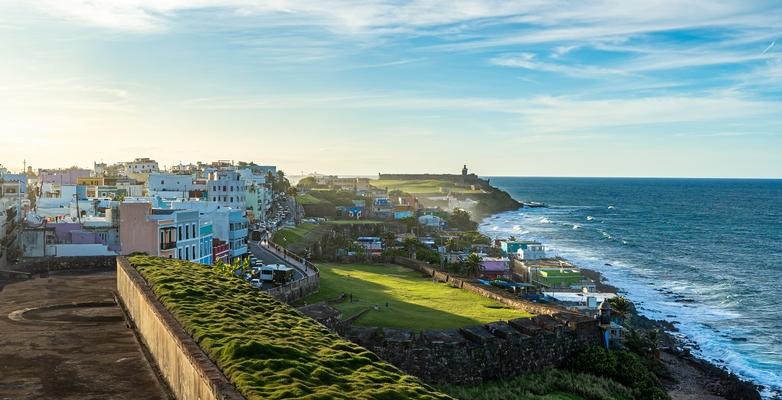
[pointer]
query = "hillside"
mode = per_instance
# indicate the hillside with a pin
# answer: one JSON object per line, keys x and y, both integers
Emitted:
{"x": 469, "y": 192}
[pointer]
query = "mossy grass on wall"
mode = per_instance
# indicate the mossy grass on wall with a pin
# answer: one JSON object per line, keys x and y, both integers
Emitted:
{"x": 266, "y": 348}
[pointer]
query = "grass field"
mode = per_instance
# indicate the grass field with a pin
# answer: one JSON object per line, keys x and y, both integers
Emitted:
{"x": 266, "y": 348}
{"x": 415, "y": 302}
{"x": 306, "y": 199}
{"x": 420, "y": 186}
{"x": 300, "y": 237}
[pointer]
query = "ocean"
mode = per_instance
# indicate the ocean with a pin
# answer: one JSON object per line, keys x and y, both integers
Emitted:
{"x": 705, "y": 254}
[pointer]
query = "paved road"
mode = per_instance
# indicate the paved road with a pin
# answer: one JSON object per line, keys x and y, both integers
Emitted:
{"x": 270, "y": 258}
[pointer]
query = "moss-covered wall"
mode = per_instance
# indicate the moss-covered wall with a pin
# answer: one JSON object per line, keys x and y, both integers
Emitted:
{"x": 267, "y": 349}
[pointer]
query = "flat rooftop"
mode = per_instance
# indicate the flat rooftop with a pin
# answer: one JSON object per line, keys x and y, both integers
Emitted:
{"x": 63, "y": 337}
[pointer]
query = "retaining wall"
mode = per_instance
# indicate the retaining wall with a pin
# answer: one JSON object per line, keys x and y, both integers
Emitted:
{"x": 186, "y": 368}
{"x": 484, "y": 352}
{"x": 298, "y": 289}
{"x": 40, "y": 265}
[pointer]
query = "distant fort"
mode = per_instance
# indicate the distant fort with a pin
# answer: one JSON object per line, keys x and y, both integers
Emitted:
{"x": 463, "y": 178}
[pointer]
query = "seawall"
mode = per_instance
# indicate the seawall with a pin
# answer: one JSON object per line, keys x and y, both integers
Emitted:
{"x": 186, "y": 368}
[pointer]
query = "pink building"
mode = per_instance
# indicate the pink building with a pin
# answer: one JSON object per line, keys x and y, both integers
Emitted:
{"x": 62, "y": 176}
{"x": 495, "y": 267}
{"x": 141, "y": 231}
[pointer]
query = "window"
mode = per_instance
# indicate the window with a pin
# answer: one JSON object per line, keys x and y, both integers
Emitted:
{"x": 187, "y": 253}
{"x": 179, "y": 233}
{"x": 194, "y": 231}
{"x": 187, "y": 233}
{"x": 180, "y": 253}
{"x": 194, "y": 252}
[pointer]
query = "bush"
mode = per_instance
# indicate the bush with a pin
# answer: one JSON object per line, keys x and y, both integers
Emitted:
{"x": 624, "y": 367}
{"x": 546, "y": 385}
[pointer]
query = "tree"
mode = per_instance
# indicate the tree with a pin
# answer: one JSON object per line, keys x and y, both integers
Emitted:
{"x": 621, "y": 306}
{"x": 292, "y": 191}
{"x": 460, "y": 219}
{"x": 472, "y": 265}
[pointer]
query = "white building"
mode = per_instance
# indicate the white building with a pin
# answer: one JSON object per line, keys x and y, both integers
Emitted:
{"x": 169, "y": 185}
{"x": 227, "y": 189}
{"x": 531, "y": 251}
{"x": 141, "y": 166}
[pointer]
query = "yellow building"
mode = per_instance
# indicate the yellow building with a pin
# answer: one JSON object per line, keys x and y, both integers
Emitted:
{"x": 89, "y": 181}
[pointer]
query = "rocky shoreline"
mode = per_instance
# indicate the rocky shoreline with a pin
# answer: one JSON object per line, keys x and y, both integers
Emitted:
{"x": 689, "y": 377}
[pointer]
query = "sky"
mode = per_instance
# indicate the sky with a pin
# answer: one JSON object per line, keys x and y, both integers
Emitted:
{"x": 510, "y": 88}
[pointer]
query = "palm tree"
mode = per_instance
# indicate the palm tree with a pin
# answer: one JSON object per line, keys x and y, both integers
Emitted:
{"x": 621, "y": 306}
{"x": 472, "y": 265}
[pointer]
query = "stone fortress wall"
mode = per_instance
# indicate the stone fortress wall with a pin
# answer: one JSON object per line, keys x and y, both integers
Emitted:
{"x": 477, "y": 353}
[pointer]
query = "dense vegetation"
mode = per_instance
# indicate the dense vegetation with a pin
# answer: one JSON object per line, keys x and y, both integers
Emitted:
{"x": 413, "y": 301}
{"x": 624, "y": 367}
{"x": 550, "y": 384}
{"x": 266, "y": 348}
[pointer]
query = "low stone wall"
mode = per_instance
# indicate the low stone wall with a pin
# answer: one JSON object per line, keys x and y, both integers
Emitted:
{"x": 296, "y": 290}
{"x": 40, "y": 265}
{"x": 481, "y": 353}
{"x": 483, "y": 290}
{"x": 301, "y": 288}
{"x": 186, "y": 368}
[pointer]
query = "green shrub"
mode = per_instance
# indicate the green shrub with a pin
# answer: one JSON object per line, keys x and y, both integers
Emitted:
{"x": 624, "y": 367}
{"x": 547, "y": 385}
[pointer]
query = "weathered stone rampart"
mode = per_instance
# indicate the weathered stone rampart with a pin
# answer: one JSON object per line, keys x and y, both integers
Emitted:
{"x": 483, "y": 352}
{"x": 186, "y": 368}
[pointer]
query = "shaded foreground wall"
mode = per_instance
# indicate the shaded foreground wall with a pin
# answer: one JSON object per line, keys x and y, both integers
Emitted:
{"x": 482, "y": 352}
{"x": 188, "y": 371}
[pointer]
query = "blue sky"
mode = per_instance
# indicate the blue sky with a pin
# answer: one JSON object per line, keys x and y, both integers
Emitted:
{"x": 556, "y": 88}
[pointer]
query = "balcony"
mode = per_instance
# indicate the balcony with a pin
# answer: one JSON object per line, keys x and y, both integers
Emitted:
{"x": 167, "y": 245}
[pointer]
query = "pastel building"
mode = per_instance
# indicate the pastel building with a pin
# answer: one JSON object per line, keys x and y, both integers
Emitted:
{"x": 169, "y": 185}
{"x": 258, "y": 200}
{"x": 141, "y": 166}
{"x": 228, "y": 225}
{"x": 162, "y": 232}
{"x": 63, "y": 176}
{"x": 495, "y": 267}
{"x": 523, "y": 249}
{"x": 227, "y": 189}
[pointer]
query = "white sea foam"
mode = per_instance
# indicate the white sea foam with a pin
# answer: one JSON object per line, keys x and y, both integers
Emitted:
{"x": 698, "y": 313}
{"x": 589, "y": 217}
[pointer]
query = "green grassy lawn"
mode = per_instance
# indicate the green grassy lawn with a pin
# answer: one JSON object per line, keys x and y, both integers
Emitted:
{"x": 266, "y": 348}
{"x": 300, "y": 236}
{"x": 306, "y": 199}
{"x": 420, "y": 186}
{"x": 415, "y": 302}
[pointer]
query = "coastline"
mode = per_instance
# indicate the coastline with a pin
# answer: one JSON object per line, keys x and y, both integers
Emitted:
{"x": 690, "y": 377}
